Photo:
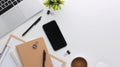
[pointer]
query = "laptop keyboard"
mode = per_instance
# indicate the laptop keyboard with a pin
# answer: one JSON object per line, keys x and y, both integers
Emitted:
{"x": 7, "y": 4}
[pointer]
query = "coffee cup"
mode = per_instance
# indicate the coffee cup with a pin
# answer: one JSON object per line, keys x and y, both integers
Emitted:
{"x": 79, "y": 62}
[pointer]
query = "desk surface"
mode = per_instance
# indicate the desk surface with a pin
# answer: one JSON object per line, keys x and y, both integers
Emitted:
{"x": 90, "y": 27}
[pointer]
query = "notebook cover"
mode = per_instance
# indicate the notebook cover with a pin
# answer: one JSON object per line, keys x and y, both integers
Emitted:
{"x": 31, "y": 57}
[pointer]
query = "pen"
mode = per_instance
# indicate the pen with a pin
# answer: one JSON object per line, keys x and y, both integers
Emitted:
{"x": 32, "y": 26}
{"x": 44, "y": 58}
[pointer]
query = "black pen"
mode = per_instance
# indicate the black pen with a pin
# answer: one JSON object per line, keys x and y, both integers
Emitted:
{"x": 44, "y": 58}
{"x": 32, "y": 26}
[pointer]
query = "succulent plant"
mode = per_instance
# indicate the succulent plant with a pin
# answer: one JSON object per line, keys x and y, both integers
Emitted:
{"x": 55, "y": 4}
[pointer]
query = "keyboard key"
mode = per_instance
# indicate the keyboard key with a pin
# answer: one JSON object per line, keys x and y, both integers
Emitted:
{"x": 2, "y": 2}
{"x": 18, "y": 1}
{"x": 5, "y": 9}
{"x": 15, "y": 3}
{"x": 6, "y": 4}
{"x": 3, "y": 6}
{"x": 9, "y": 2}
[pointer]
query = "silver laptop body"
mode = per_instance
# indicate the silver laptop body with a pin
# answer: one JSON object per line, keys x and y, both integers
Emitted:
{"x": 18, "y": 14}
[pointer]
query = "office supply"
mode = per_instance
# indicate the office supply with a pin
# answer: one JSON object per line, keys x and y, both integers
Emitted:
{"x": 55, "y": 60}
{"x": 6, "y": 59}
{"x": 15, "y": 12}
{"x": 32, "y": 26}
{"x": 31, "y": 57}
{"x": 44, "y": 58}
{"x": 6, "y": 46}
{"x": 54, "y": 35}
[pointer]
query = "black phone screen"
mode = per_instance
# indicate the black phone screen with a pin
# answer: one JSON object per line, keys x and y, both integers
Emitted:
{"x": 54, "y": 35}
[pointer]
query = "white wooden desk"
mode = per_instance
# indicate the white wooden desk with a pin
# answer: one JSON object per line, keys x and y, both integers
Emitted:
{"x": 90, "y": 27}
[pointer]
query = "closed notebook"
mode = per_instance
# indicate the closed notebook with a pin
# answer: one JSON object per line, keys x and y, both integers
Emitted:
{"x": 31, "y": 53}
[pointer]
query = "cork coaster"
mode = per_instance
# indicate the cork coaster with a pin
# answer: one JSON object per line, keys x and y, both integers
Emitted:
{"x": 79, "y": 62}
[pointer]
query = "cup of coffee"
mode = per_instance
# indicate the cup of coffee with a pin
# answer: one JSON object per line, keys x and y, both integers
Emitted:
{"x": 79, "y": 62}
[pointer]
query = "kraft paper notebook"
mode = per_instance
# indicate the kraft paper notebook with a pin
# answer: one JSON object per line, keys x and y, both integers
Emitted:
{"x": 57, "y": 62}
{"x": 31, "y": 53}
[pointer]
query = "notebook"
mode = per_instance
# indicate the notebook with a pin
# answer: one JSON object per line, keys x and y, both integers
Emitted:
{"x": 31, "y": 53}
{"x": 6, "y": 59}
{"x": 57, "y": 62}
{"x": 11, "y": 58}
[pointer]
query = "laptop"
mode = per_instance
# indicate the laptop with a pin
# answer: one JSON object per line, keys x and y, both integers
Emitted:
{"x": 15, "y": 12}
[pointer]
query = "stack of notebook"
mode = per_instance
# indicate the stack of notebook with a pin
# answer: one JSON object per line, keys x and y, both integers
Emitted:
{"x": 34, "y": 54}
{"x": 28, "y": 54}
{"x": 56, "y": 61}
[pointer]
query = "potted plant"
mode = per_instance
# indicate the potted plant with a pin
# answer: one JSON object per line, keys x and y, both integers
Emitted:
{"x": 54, "y": 4}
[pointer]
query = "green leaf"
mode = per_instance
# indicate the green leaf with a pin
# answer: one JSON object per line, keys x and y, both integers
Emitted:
{"x": 59, "y": 7}
{"x": 55, "y": 4}
{"x": 61, "y": 2}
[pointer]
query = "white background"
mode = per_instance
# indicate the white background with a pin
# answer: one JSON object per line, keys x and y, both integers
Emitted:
{"x": 90, "y": 27}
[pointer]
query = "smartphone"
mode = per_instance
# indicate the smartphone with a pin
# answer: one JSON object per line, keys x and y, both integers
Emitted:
{"x": 54, "y": 35}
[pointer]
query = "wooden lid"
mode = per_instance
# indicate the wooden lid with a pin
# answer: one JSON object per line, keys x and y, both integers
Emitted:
{"x": 79, "y": 62}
